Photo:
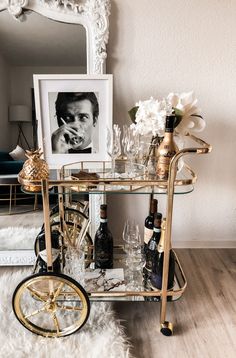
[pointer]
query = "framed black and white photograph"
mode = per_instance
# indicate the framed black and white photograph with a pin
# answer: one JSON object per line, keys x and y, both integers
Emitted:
{"x": 73, "y": 113}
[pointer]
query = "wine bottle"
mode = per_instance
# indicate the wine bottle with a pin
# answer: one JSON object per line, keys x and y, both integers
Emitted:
{"x": 166, "y": 150}
{"x": 158, "y": 260}
{"x": 42, "y": 255}
{"x": 149, "y": 222}
{"x": 103, "y": 243}
{"x": 152, "y": 245}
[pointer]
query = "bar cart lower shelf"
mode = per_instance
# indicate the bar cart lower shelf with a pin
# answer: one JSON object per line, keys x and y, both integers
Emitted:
{"x": 55, "y": 305}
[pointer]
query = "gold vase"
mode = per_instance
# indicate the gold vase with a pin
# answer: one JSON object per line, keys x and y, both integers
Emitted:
{"x": 35, "y": 168}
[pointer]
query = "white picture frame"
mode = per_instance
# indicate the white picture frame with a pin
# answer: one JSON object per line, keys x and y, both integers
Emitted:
{"x": 46, "y": 89}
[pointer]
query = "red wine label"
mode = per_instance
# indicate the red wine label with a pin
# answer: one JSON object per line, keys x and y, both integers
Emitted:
{"x": 147, "y": 235}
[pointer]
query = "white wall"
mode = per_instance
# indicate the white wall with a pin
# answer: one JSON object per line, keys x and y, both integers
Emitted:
{"x": 157, "y": 47}
{"x": 4, "y": 99}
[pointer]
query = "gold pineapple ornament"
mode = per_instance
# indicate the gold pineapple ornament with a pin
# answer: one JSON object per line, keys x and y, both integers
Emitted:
{"x": 35, "y": 168}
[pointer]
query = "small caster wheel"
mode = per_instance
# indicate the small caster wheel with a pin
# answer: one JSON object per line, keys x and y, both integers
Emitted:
{"x": 167, "y": 328}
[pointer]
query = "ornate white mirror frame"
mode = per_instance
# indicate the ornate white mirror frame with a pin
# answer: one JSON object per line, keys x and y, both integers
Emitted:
{"x": 92, "y": 14}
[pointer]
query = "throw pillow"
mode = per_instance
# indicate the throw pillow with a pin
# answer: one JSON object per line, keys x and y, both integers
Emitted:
{"x": 18, "y": 153}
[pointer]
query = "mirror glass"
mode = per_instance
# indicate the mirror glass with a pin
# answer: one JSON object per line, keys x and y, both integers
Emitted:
{"x": 37, "y": 45}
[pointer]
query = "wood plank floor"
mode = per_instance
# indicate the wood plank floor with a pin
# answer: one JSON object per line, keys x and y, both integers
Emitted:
{"x": 204, "y": 318}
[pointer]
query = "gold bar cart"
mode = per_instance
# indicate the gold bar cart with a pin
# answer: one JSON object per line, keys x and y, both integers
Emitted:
{"x": 53, "y": 304}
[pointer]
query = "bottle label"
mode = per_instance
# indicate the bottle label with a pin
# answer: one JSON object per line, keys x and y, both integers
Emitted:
{"x": 147, "y": 235}
{"x": 156, "y": 229}
{"x": 103, "y": 220}
{"x": 55, "y": 254}
{"x": 163, "y": 165}
{"x": 152, "y": 245}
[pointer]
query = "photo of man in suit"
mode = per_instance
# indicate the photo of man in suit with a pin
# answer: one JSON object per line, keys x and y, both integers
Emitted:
{"x": 77, "y": 117}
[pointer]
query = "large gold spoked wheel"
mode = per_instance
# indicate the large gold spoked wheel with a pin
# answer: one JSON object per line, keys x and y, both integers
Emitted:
{"x": 50, "y": 304}
{"x": 70, "y": 215}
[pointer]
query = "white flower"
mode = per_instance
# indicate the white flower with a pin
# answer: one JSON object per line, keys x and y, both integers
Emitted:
{"x": 187, "y": 103}
{"x": 151, "y": 114}
{"x": 150, "y": 117}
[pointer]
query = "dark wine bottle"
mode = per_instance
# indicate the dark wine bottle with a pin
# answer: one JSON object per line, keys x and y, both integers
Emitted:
{"x": 157, "y": 268}
{"x": 151, "y": 248}
{"x": 103, "y": 244}
{"x": 42, "y": 255}
{"x": 149, "y": 223}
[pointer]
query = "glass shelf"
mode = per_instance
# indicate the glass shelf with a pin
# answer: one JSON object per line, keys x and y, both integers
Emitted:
{"x": 119, "y": 289}
{"x": 102, "y": 181}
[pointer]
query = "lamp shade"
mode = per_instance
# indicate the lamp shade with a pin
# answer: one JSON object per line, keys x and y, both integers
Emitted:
{"x": 20, "y": 113}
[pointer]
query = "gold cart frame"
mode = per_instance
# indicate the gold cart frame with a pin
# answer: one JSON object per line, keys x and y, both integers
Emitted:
{"x": 132, "y": 185}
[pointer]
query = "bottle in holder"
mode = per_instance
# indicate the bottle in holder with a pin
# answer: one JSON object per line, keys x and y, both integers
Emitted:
{"x": 166, "y": 150}
{"x": 103, "y": 243}
{"x": 149, "y": 223}
{"x": 42, "y": 255}
{"x": 151, "y": 248}
{"x": 157, "y": 268}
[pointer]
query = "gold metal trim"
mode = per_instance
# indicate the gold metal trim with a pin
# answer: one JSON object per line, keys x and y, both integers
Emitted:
{"x": 51, "y": 288}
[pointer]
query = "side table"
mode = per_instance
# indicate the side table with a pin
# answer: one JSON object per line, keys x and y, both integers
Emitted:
{"x": 10, "y": 181}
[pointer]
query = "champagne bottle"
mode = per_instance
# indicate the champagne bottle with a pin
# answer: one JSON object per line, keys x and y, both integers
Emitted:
{"x": 157, "y": 268}
{"x": 103, "y": 244}
{"x": 149, "y": 222}
{"x": 166, "y": 150}
{"x": 152, "y": 245}
{"x": 42, "y": 255}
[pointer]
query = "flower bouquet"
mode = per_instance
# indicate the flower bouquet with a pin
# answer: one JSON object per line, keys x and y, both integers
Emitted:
{"x": 149, "y": 117}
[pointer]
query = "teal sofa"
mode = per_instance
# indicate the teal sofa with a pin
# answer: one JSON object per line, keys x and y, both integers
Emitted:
{"x": 8, "y": 165}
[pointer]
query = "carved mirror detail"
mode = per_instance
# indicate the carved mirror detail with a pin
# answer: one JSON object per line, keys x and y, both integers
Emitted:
{"x": 92, "y": 14}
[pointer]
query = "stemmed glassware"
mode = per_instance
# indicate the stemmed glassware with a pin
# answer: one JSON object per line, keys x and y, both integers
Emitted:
{"x": 134, "y": 256}
{"x": 113, "y": 145}
{"x": 130, "y": 142}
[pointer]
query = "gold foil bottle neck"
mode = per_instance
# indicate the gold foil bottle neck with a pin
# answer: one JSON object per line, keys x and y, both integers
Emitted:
{"x": 160, "y": 247}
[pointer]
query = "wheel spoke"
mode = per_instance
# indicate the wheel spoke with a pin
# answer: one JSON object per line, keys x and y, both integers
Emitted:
{"x": 69, "y": 308}
{"x": 56, "y": 323}
{"x": 36, "y": 294}
{"x": 58, "y": 291}
{"x": 35, "y": 312}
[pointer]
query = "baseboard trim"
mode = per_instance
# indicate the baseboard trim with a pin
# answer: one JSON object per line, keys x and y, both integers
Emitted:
{"x": 17, "y": 258}
{"x": 204, "y": 244}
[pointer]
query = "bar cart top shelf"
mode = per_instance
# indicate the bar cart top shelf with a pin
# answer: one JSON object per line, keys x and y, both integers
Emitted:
{"x": 100, "y": 179}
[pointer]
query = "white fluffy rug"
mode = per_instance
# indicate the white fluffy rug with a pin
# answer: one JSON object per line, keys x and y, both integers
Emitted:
{"x": 21, "y": 238}
{"x": 102, "y": 335}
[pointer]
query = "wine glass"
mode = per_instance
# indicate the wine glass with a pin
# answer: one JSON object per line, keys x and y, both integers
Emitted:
{"x": 131, "y": 146}
{"x": 113, "y": 145}
{"x": 131, "y": 236}
{"x": 135, "y": 259}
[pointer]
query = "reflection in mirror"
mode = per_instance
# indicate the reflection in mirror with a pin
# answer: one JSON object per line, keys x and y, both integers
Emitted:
{"x": 37, "y": 45}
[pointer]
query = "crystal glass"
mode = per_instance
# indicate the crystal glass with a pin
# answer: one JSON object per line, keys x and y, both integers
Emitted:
{"x": 134, "y": 260}
{"x": 113, "y": 145}
{"x": 130, "y": 143}
{"x": 75, "y": 264}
